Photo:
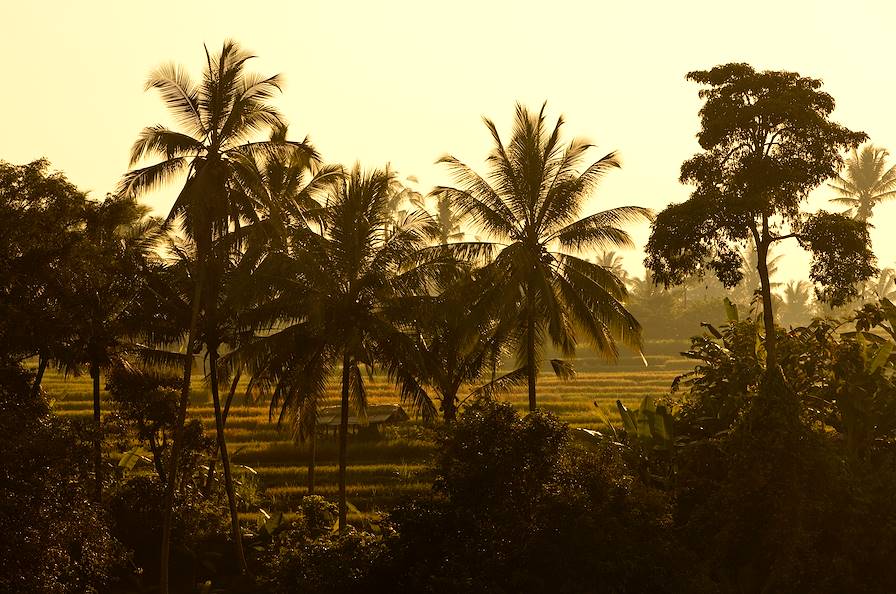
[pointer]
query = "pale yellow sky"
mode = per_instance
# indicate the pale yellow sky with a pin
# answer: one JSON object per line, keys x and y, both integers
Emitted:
{"x": 406, "y": 81}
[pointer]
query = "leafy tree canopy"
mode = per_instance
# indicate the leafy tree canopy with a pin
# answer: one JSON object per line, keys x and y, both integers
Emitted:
{"x": 768, "y": 141}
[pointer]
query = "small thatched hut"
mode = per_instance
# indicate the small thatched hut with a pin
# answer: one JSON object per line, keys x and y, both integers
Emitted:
{"x": 375, "y": 416}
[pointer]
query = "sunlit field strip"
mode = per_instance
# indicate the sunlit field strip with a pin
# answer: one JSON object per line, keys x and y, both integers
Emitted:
{"x": 353, "y": 518}
{"x": 356, "y": 490}
{"x": 383, "y": 471}
{"x": 274, "y": 473}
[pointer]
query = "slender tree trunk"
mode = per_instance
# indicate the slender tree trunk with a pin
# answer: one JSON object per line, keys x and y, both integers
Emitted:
{"x": 530, "y": 357}
{"x": 42, "y": 362}
{"x": 312, "y": 463}
{"x": 97, "y": 436}
{"x": 211, "y": 465}
{"x": 225, "y": 461}
{"x": 768, "y": 315}
{"x": 343, "y": 441}
{"x": 157, "y": 458}
{"x": 179, "y": 436}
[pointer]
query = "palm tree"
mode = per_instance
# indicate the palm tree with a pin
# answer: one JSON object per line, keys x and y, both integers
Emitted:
{"x": 749, "y": 286}
{"x": 882, "y": 287}
{"x": 451, "y": 341}
{"x": 796, "y": 306}
{"x": 117, "y": 245}
{"x": 282, "y": 184}
{"x": 529, "y": 205}
{"x": 866, "y": 182}
{"x": 448, "y": 218}
{"x": 613, "y": 262}
{"x": 347, "y": 266}
{"x": 219, "y": 117}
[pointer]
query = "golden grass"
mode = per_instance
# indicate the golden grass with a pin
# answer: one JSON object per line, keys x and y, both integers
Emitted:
{"x": 381, "y": 472}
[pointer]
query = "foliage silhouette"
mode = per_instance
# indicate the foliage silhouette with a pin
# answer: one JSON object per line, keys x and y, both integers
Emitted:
{"x": 767, "y": 142}
{"x": 866, "y": 182}
{"x": 219, "y": 116}
{"x": 530, "y": 206}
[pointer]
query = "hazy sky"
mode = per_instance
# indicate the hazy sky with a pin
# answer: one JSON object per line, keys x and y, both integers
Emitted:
{"x": 405, "y": 82}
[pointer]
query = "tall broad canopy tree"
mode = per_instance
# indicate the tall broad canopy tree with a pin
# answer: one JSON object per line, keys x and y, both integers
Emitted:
{"x": 530, "y": 206}
{"x": 41, "y": 225}
{"x": 767, "y": 142}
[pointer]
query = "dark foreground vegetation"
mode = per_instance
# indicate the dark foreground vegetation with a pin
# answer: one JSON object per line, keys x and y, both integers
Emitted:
{"x": 735, "y": 484}
{"x": 769, "y": 468}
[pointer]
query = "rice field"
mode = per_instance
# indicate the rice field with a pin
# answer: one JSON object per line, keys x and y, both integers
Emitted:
{"x": 386, "y": 468}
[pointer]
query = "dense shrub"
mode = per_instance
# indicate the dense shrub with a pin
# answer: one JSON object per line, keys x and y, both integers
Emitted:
{"x": 54, "y": 538}
{"x": 308, "y": 556}
{"x": 517, "y": 507}
{"x": 775, "y": 493}
{"x": 200, "y": 531}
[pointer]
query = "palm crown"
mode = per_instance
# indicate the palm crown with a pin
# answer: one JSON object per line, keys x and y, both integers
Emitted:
{"x": 530, "y": 205}
{"x": 218, "y": 116}
{"x": 865, "y": 182}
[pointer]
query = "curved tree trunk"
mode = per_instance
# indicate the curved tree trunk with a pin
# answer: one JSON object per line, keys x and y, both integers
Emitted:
{"x": 343, "y": 441}
{"x": 176, "y": 447}
{"x": 225, "y": 461}
{"x": 97, "y": 436}
{"x": 210, "y": 477}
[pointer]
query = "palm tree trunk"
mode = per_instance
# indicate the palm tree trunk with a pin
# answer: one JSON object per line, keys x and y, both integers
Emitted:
{"x": 211, "y": 465}
{"x": 449, "y": 408}
{"x": 176, "y": 447}
{"x": 97, "y": 436}
{"x": 225, "y": 461}
{"x": 343, "y": 441}
{"x": 530, "y": 358}
{"x": 42, "y": 362}
{"x": 312, "y": 447}
{"x": 449, "y": 402}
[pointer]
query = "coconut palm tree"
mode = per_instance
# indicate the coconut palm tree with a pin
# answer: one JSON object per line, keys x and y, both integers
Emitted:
{"x": 116, "y": 247}
{"x": 796, "y": 306}
{"x": 529, "y": 205}
{"x": 337, "y": 281}
{"x": 219, "y": 117}
{"x": 451, "y": 341}
{"x": 612, "y": 261}
{"x": 866, "y": 182}
{"x": 881, "y": 287}
{"x": 288, "y": 186}
{"x": 749, "y": 286}
{"x": 448, "y": 218}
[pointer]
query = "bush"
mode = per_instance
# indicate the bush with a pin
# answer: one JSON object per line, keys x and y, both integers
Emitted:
{"x": 55, "y": 539}
{"x": 307, "y": 556}
{"x": 200, "y": 531}
{"x": 518, "y": 508}
{"x": 775, "y": 492}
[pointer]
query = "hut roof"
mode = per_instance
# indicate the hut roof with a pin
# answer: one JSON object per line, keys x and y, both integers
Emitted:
{"x": 376, "y": 414}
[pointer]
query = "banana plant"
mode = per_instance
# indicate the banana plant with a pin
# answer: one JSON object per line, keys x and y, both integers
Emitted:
{"x": 651, "y": 425}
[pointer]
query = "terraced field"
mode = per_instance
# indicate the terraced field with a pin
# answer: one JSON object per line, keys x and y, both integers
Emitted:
{"x": 386, "y": 468}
